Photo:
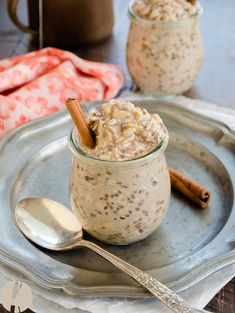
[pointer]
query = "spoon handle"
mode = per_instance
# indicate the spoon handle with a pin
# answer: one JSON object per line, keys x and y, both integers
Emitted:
{"x": 163, "y": 293}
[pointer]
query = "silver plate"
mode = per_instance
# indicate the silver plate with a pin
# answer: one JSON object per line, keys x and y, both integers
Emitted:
{"x": 191, "y": 243}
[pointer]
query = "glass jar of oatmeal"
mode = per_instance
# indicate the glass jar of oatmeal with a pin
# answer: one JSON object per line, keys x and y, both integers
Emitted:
{"x": 164, "y": 58}
{"x": 119, "y": 202}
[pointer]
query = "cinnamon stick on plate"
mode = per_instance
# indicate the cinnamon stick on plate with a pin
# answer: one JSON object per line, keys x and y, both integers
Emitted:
{"x": 189, "y": 188}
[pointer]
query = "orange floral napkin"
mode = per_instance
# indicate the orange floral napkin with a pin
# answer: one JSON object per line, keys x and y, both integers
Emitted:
{"x": 38, "y": 83}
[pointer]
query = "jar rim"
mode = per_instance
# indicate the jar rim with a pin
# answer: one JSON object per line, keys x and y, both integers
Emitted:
{"x": 133, "y": 15}
{"x": 77, "y": 150}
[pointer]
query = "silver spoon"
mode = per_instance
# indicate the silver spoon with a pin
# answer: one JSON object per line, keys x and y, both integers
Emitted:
{"x": 52, "y": 226}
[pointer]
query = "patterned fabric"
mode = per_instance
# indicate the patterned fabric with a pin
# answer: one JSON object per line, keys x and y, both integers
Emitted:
{"x": 38, "y": 83}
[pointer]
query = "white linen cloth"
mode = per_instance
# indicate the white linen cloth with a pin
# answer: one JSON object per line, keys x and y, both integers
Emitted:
{"x": 56, "y": 301}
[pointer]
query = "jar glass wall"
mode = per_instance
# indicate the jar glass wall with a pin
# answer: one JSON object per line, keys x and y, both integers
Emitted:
{"x": 119, "y": 202}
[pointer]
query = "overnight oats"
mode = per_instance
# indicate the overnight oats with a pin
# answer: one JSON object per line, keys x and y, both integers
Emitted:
{"x": 164, "y": 49}
{"x": 120, "y": 189}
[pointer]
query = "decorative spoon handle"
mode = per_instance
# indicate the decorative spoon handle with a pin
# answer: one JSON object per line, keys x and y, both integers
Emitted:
{"x": 163, "y": 293}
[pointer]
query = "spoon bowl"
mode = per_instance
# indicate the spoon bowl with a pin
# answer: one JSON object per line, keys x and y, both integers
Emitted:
{"x": 48, "y": 223}
{"x": 52, "y": 226}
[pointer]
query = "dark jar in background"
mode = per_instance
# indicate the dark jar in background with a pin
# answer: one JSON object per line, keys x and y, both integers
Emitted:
{"x": 66, "y": 23}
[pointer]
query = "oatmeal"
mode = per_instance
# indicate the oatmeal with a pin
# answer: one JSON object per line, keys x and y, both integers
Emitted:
{"x": 122, "y": 195}
{"x": 124, "y": 131}
{"x": 164, "y": 50}
{"x": 163, "y": 10}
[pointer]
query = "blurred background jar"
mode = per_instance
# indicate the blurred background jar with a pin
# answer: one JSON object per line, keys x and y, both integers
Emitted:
{"x": 66, "y": 23}
{"x": 164, "y": 57}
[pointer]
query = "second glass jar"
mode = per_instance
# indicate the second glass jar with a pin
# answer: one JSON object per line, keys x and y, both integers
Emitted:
{"x": 164, "y": 58}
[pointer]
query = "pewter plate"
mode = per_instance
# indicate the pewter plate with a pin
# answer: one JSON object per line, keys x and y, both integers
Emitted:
{"x": 191, "y": 244}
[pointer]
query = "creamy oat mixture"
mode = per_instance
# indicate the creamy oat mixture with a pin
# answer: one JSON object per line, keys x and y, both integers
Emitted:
{"x": 121, "y": 202}
{"x": 124, "y": 131}
{"x": 163, "y": 10}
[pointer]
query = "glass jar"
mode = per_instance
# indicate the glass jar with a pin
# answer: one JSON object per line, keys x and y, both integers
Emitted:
{"x": 119, "y": 202}
{"x": 164, "y": 58}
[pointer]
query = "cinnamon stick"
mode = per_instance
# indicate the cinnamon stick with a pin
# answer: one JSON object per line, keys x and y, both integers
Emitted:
{"x": 80, "y": 122}
{"x": 193, "y": 2}
{"x": 189, "y": 188}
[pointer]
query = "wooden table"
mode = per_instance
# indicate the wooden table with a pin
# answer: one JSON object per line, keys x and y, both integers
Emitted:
{"x": 216, "y": 82}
